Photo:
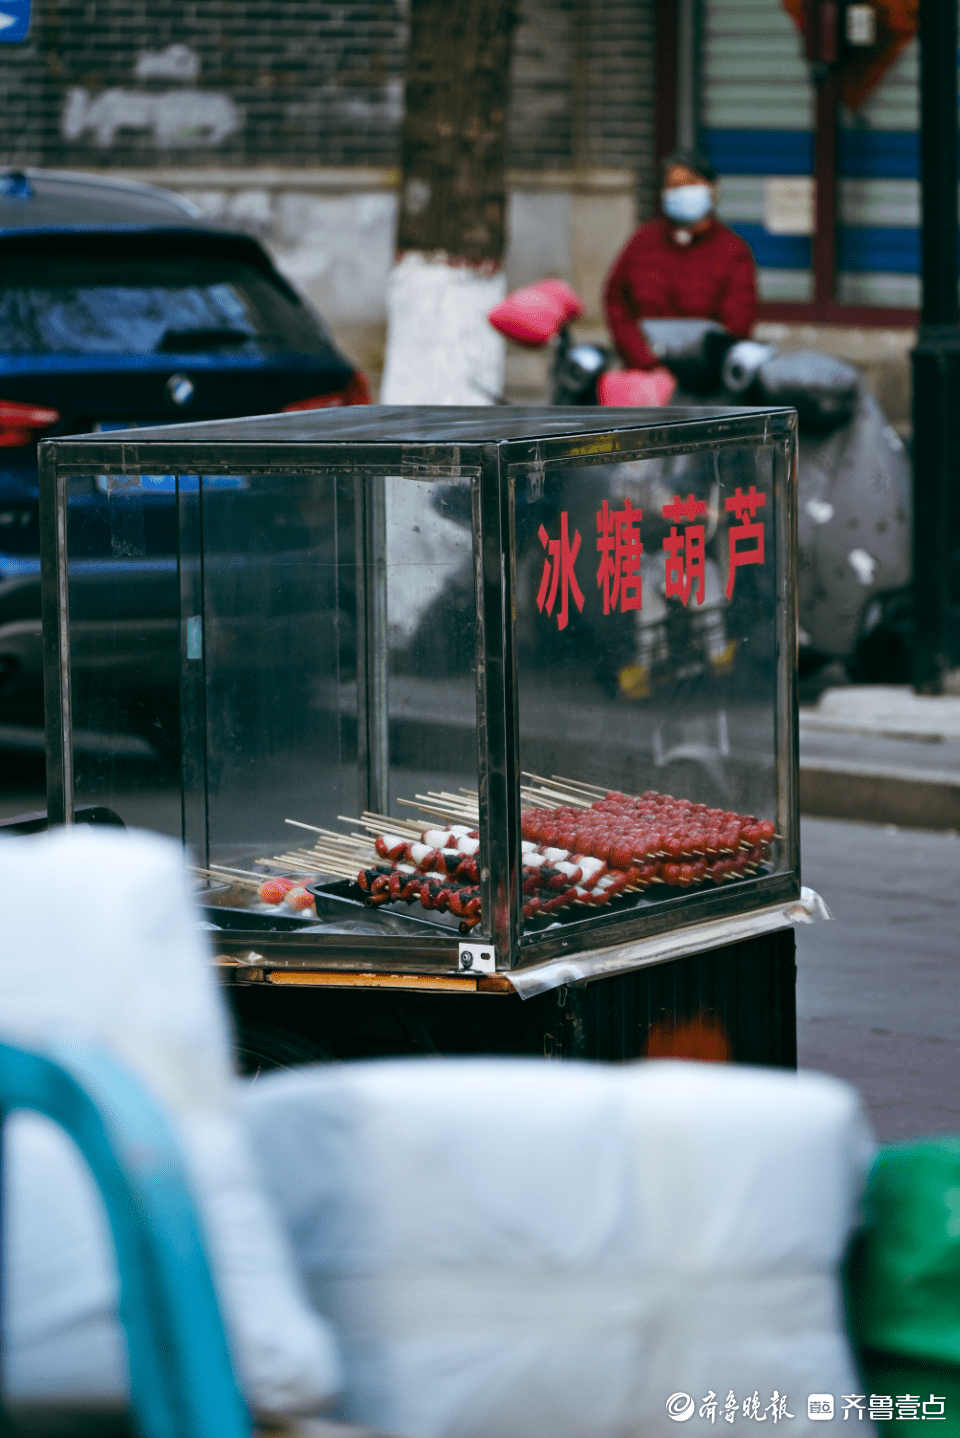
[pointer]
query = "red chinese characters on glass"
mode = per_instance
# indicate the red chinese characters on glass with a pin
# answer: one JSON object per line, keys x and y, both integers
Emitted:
{"x": 686, "y": 556}
{"x": 620, "y": 549}
{"x": 559, "y": 575}
{"x": 748, "y": 531}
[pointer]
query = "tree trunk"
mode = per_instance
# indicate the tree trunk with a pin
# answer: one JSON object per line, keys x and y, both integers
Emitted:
{"x": 450, "y": 235}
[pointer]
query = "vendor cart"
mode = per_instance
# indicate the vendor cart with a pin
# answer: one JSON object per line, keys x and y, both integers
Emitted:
{"x": 479, "y": 725}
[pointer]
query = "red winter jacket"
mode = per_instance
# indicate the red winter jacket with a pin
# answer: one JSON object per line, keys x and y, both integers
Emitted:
{"x": 711, "y": 278}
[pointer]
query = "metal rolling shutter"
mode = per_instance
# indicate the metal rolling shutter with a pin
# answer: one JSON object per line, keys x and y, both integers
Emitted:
{"x": 757, "y": 121}
{"x": 878, "y": 254}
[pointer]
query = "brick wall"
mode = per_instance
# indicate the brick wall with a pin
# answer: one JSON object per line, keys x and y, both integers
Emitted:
{"x": 583, "y": 87}
{"x": 136, "y": 83}
{"x": 121, "y": 82}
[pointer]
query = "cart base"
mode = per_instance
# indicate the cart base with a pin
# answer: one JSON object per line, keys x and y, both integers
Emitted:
{"x": 736, "y": 1003}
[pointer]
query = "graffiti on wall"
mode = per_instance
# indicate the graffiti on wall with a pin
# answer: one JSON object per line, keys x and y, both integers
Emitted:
{"x": 185, "y": 116}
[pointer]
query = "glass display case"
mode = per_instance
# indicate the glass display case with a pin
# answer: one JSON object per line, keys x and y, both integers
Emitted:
{"x": 422, "y": 689}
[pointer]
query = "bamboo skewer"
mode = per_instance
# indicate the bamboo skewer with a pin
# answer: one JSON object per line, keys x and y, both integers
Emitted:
{"x": 455, "y": 803}
{"x": 376, "y": 824}
{"x": 442, "y": 812}
{"x": 331, "y": 835}
{"x": 549, "y": 797}
{"x": 315, "y": 858}
{"x": 343, "y": 871}
{"x": 327, "y": 833}
{"x": 546, "y": 799}
{"x": 226, "y": 869}
{"x": 549, "y": 789}
{"x": 578, "y": 784}
{"x": 239, "y": 877}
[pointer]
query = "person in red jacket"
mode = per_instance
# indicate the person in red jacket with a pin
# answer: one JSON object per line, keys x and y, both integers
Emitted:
{"x": 684, "y": 264}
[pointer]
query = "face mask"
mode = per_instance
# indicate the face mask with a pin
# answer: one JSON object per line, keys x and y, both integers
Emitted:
{"x": 686, "y": 204}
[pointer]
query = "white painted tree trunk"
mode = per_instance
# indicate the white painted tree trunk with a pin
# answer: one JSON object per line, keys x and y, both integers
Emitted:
{"x": 440, "y": 347}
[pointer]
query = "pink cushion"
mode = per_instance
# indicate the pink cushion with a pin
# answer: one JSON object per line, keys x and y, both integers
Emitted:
{"x": 534, "y": 314}
{"x": 636, "y": 386}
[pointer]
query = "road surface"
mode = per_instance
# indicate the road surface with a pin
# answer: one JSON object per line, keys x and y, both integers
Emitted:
{"x": 879, "y": 990}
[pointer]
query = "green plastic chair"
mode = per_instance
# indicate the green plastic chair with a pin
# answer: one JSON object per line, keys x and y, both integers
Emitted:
{"x": 903, "y": 1278}
{"x": 182, "y": 1383}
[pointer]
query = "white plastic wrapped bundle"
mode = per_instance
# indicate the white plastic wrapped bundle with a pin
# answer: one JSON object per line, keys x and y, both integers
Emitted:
{"x": 534, "y": 1250}
{"x": 101, "y": 943}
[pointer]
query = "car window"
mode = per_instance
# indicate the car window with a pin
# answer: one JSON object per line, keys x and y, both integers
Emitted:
{"x": 142, "y": 305}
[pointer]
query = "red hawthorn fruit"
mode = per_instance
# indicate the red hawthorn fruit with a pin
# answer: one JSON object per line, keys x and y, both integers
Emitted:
{"x": 299, "y": 898}
{"x": 274, "y": 891}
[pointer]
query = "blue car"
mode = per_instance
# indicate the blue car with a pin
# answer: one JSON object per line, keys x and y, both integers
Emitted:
{"x": 120, "y": 305}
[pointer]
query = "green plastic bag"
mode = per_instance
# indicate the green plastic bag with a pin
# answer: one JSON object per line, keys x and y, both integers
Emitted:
{"x": 903, "y": 1276}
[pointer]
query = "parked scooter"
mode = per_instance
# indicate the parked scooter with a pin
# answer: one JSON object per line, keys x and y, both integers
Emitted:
{"x": 854, "y": 486}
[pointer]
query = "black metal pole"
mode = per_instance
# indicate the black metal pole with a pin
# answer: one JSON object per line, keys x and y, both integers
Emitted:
{"x": 936, "y": 361}
{"x": 938, "y": 160}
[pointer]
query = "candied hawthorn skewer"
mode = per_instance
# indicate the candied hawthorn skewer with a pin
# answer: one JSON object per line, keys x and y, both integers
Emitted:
{"x": 583, "y": 852}
{"x": 620, "y": 830}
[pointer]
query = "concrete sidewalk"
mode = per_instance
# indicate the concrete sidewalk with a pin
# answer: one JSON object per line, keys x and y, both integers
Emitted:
{"x": 882, "y": 754}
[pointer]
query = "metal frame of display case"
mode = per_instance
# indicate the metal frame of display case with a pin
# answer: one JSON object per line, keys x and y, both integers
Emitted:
{"x": 369, "y": 444}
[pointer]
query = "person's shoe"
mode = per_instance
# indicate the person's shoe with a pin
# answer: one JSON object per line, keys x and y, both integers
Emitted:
{"x": 633, "y": 681}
